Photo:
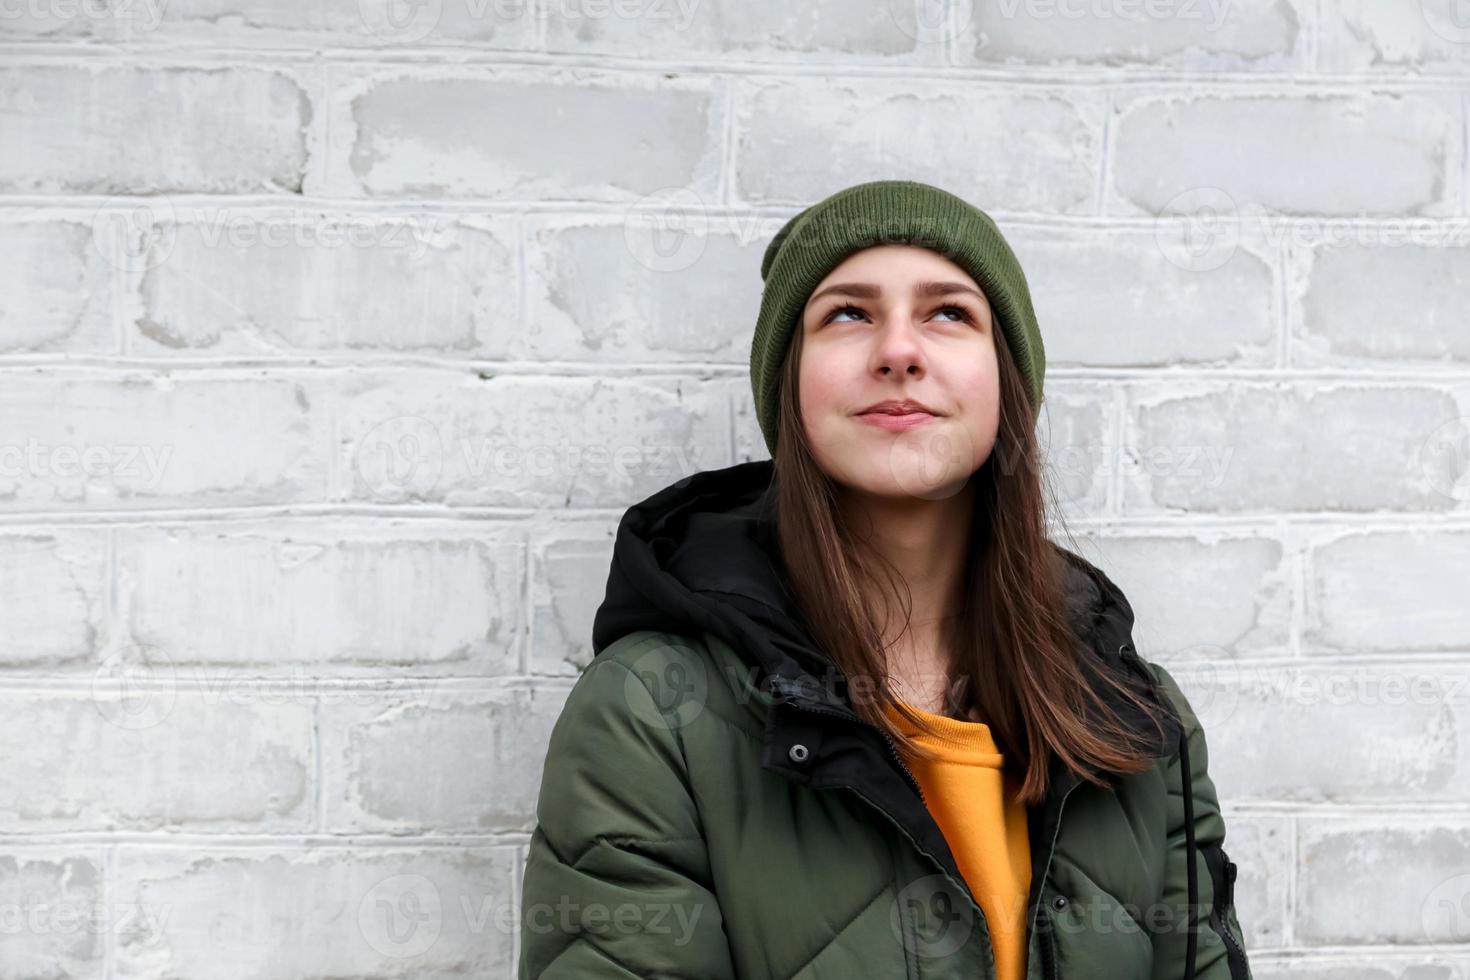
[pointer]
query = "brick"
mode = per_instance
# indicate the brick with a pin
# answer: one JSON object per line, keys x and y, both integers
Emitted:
{"x": 78, "y": 440}
{"x": 1418, "y": 874}
{"x": 321, "y": 912}
{"x": 1218, "y": 35}
{"x": 56, "y": 914}
{"x": 373, "y": 761}
{"x": 669, "y": 286}
{"x": 1420, "y": 38}
{"x": 799, "y": 140}
{"x": 1351, "y": 448}
{"x": 159, "y": 756}
{"x": 748, "y": 441}
{"x": 55, "y": 589}
{"x": 569, "y": 582}
{"x": 55, "y": 289}
{"x": 1352, "y": 605}
{"x": 1398, "y": 724}
{"x": 237, "y": 281}
{"x": 483, "y": 24}
{"x": 1284, "y": 153}
{"x": 827, "y": 30}
{"x": 1247, "y": 578}
{"x": 598, "y": 137}
{"x": 1078, "y": 438}
{"x": 78, "y": 21}
{"x": 349, "y": 598}
{"x": 524, "y": 440}
{"x": 1384, "y": 303}
{"x": 112, "y": 129}
{"x": 1120, "y": 298}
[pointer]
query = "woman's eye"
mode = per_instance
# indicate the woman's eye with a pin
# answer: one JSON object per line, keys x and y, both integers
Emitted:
{"x": 961, "y": 315}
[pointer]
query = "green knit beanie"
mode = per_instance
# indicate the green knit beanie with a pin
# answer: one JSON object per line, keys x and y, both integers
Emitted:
{"x": 885, "y": 212}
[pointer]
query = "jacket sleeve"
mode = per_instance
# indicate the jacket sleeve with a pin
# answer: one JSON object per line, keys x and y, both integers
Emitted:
{"x": 617, "y": 879}
{"x": 1219, "y": 952}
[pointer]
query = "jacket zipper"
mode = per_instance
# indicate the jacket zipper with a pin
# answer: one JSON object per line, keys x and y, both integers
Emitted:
{"x": 1223, "y": 905}
{"x": 1230, "y": 940}
{"x": 893, "y": 749}
{"x": 888, "y": 739}
{"x": 1051, "y": 965}
{"x": 962, "y": 885}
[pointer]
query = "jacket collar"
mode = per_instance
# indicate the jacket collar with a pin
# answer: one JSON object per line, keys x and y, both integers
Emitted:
{"x": 700, "y": 555}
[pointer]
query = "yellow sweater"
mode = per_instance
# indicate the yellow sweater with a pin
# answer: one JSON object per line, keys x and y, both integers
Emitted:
{"x": 974, "y": 802}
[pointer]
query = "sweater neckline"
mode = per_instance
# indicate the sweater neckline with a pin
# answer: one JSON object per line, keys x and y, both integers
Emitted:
{"x": 958, "y": 741}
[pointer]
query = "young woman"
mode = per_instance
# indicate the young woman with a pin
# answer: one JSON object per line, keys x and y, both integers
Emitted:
{"x": 851, "y": 713}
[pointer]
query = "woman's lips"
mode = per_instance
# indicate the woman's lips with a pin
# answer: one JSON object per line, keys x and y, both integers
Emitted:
{"x": 896, "y": 423}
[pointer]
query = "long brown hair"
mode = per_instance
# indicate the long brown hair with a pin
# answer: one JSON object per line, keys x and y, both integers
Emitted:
{"x": 1015, "y": 658}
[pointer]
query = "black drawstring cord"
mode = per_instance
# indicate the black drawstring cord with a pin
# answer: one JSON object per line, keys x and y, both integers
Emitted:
{"x": 1190, "y": 942}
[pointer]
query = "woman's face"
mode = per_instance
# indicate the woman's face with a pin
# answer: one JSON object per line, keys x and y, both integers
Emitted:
{"x": 896, "y": 322}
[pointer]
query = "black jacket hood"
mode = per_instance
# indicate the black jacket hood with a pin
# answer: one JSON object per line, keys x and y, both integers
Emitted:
{"x": 701, "y": 555}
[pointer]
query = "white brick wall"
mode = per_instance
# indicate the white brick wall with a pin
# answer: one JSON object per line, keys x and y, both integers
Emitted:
{"x": 336, "y": 336}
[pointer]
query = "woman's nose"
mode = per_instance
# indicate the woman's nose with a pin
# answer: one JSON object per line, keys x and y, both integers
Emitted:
{"x": 899, "y": 349}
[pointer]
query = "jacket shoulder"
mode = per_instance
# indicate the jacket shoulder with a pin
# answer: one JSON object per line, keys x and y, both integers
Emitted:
{"x": 1183, "y": 710}
{"x": 655, "y": 646}
{"x": 634, "y": 674}
{"x": 687, "y": 674}
{"x": 614, "y": 733}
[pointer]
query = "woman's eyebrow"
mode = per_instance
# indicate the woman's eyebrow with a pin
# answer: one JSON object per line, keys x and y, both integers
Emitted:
{"x": 861, "y": 290}
{"x": 866, "y": 290}
{"x": 945, "y": 288}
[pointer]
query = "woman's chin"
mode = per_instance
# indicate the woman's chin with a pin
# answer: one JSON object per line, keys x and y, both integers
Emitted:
{"x": 874, "y": 479}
